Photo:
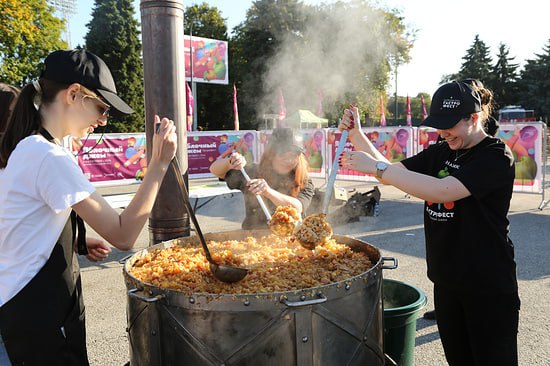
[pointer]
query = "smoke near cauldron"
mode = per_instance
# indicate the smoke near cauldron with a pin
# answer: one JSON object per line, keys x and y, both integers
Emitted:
{"x": 341, "y": 51}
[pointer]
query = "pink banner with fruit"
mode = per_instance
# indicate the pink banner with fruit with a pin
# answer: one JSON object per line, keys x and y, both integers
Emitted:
{"x": 425, "y": 136}
{"x": 314, "y": 149}
{"x": 395, "y": 143}
{"x": 526, "y": 142}
{"x": 210, "y": 62}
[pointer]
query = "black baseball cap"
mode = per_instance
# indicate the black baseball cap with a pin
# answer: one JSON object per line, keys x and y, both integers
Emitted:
{"x": 284, "y": 139}
{"x": 451, "y": 103}
{"x": 87, "y": 69}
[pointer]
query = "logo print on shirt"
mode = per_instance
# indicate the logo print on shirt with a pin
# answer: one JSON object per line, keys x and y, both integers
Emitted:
{"x": 440, "y": 211}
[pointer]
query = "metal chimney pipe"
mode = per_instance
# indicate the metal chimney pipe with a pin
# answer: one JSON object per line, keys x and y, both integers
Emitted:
{"x": 164, "y": 74}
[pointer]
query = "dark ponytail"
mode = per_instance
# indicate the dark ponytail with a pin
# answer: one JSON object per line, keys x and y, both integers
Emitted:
{"x": 490, "y": 124}
{"x": 8, "y": 95}
{"x": 25, "y": 118}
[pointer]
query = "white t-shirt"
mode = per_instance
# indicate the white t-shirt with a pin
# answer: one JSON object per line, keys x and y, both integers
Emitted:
{"x": 37, "y": 189}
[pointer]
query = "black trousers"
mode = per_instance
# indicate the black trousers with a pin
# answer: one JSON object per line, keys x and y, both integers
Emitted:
{"x": 478, "y": 329}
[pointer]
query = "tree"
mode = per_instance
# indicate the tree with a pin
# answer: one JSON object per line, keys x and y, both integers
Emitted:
{"x": 477, "y": 62}
{"x": 476, "y": 65}
{"x": 505, "y": 74}
{"x": 28, "y": 33}
{"x": 255, "y": 41}
{"x": 114, "y": 36}
{"x": 301, "y": 50}
{"x": 534, "y": 84}
{"x": 213, "y": 102}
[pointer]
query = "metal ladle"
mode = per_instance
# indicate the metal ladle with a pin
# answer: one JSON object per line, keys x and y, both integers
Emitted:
{"x": 222, "y": 272}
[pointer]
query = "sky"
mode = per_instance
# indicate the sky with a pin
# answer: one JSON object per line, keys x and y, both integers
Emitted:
{"x": 444, "y": 31}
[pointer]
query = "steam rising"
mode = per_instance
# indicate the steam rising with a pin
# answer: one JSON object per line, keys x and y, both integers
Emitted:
{"x": 341, "y": 51}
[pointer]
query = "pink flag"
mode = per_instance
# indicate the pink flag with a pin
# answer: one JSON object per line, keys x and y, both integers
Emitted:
{"x": 382, "y": 113}
{"x": 282, "y": 109}
{"x": 235, "y": 109}
{"x": 190, "y": 104}
{"x": 409, "y": 117}
{"x": 320, "y": 98}
{"x": 424, "y": 113}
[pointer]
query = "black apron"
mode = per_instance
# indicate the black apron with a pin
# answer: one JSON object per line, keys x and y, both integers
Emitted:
{"x": 44, "y": 323}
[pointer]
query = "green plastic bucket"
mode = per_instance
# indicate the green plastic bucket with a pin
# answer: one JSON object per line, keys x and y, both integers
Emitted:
{"x": 402, "y": 304}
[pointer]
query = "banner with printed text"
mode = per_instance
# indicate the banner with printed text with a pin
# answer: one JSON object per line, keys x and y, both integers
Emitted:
{"x": 112, "y": 158}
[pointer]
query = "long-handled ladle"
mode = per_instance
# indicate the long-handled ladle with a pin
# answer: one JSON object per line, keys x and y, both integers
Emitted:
{"x": 222, "y": 272}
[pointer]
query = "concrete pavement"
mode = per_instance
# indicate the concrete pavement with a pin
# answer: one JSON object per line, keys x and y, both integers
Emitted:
{"x": 397, "y": 232}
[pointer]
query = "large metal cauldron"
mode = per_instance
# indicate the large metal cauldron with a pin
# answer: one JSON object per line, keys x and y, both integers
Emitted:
{"x": 336, "y": 324}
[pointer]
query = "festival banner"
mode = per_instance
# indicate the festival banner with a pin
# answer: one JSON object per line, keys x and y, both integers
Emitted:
{"x": 205, "y": 147}
{"x": 210, "y": 62}
{"x": 526, "y": 142}
{"x": 425, "y": 136}
{"x": 395, "y": 143}
{"x": 315, "y": 143}
{"x": 112, "y": 159}
{"x": 314, "y": 149}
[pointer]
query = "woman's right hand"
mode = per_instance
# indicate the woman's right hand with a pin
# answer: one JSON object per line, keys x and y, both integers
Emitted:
{"x": 350, "y": 120}
{"x": 236, "y": 161}
{"x": 165, "y": 141}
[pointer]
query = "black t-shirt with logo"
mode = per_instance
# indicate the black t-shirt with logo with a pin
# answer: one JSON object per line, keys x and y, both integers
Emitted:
{"x": 467, "y": 243}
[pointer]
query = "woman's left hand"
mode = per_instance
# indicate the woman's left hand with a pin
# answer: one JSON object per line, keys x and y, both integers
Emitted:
{"x": 258, "y": 186}
{"x": 359, "y": 161}
{"x": 97, "y": 249}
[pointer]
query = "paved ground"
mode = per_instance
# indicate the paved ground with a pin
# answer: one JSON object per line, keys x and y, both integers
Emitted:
{"x": 397, "y": 232}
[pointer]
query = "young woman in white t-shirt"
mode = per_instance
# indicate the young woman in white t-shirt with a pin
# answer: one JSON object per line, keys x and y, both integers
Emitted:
{"x": 43, "y": 195}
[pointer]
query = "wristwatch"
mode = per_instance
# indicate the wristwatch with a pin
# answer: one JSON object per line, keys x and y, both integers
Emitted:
{"x": 381, "y": 168}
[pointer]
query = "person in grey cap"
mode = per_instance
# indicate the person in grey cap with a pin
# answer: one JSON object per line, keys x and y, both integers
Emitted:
{"x": 45, "y": 197}
{"x": 466, "y": 181}
{"x": 281, "y": 177}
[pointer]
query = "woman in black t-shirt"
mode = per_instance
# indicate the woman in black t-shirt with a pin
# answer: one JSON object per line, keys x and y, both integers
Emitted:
{"x": 466, "y": 181}
{"x": 281, "y": 177}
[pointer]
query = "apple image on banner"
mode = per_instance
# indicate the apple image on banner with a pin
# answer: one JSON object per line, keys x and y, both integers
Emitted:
{"x": 315, "y": 160}
{"x": 219, "y": 69}
{"x": 526, "y": 168}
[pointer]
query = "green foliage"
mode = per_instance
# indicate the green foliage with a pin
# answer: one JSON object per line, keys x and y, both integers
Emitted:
{"x": 28, "y": 33}
{"x": 114, "y": 36}
{"x": 255, "y": 41}
{"x": 302, "y": 50}
{"x": 534, "y": 84}
{"x": 213, "y": 102}
{"x": 531, "y": 89}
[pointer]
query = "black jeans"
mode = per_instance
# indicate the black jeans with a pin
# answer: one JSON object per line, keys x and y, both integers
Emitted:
{"x": 478, "y": 329}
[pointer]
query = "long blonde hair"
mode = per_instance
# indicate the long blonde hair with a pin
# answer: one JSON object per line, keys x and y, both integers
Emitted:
{"x": 300, "y": 172}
